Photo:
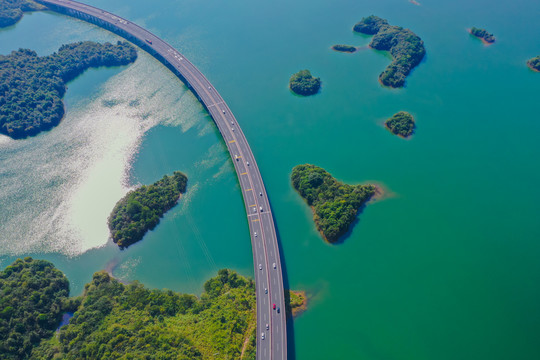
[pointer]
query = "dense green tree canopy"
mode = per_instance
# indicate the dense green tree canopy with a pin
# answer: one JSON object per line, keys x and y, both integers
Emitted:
{"x": 344, "y": 48}
{"x": 140, "y": 210}
{"x": 116, "y": 321}
{"x": 33, "y": 294}
{"x": 482, "y": 34}
{"x": 534, "y": 63}
{"x": 335, "y": 204}
{"x": 406, "y": 48}
{"x": 303, "y": 83}
{"x": 11, "y": 11}
{"x": 32, "y": 87}
{"x": 402, "y": 124}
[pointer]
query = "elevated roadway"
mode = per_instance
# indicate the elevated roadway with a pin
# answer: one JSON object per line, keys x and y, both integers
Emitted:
{"x": 271, "y": 324}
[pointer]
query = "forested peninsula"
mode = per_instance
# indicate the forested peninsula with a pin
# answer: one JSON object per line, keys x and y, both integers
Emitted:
{"x": 483, "y": 35}
{"x": 401, "y": 124}
{"x": 33, "y": 296}
{"x": 116, "y": 321}
{"x": 32, "y": 87}
{"x": 141, "y": 209}
{"x": 335, "y": 205}
{"x": 112, "y": 320}
{"x": 303, "y": 83}
{"x": 12, "y": 11}
{"x": 534, "y": 63}
{"x": 406, "y": 48}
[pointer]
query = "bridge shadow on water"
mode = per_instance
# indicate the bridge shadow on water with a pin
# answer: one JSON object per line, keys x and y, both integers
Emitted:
{"x": 291, "y": 347}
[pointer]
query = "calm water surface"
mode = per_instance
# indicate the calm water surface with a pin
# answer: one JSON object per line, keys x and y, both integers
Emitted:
{"x": 444, "y": 267}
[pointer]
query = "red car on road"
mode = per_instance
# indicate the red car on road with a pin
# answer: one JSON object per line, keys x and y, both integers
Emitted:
{"x": 274, "y": 306}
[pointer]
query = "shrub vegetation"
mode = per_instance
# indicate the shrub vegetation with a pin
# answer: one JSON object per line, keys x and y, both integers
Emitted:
{"x": 11, "y": 11}
{"x": 534, "y": 63}
{"x": 406, "y": 48}
{"x": 335, "y": 204}
{"x": 483, "y": 35}
{"x": 295, "y": 302}
{"x": 32, "y": 87}
{"x": 401, "y": 124}
{"x": 141, "y": 209}
{"x": 116, "y": 321}
{"x": 303, "y": 83}
{"x": 33, "y": 294}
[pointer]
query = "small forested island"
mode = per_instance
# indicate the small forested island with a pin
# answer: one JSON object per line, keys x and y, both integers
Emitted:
{"x": 534, "y": 63}
{"x": 32, "y": 87}
{"x": 344, "y": 48}
{"x": 33, "y": 296}
{"x": 11, "y": 11}
{"x": 334, "y": 204}
{"x": 303, "y": 83}
{"x": 141, "y": 209}
{"x": 406, "y": 48}
{"x": 401, "y": 124}
{"x": 295, "y": 302}
{"x": 483, "y": 35}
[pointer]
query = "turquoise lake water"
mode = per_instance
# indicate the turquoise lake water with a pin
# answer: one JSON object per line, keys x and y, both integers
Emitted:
{"x": 445, "y": 266}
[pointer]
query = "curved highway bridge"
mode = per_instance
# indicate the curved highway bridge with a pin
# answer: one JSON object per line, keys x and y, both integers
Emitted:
{"x": 271, "y": 323}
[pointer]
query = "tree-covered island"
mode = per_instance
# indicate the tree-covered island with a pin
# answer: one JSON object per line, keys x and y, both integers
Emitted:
{"x": 141, "y": 209}
{"x": 303, "y": 83}
{"x": 12, "y": 11}
{"x": 32, "y": 87}
{"x": 483, "y": 35}
{"x": 406, "y": 48}
{"x": 335, "y": 205}
{"x": 534, "y": 63}
{"x": 401, "y": 124}
{"x": 295, "y": 302}
{"x": 344, "y": 48}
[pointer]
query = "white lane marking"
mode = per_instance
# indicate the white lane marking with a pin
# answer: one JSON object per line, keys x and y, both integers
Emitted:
{"x": 219, "y": 103}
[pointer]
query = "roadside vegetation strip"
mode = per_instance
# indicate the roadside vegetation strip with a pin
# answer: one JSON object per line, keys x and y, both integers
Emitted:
{"x": 335, "y": 205}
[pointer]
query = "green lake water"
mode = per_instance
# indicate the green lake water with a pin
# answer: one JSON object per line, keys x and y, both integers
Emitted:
{"x": 445, "y": 266}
